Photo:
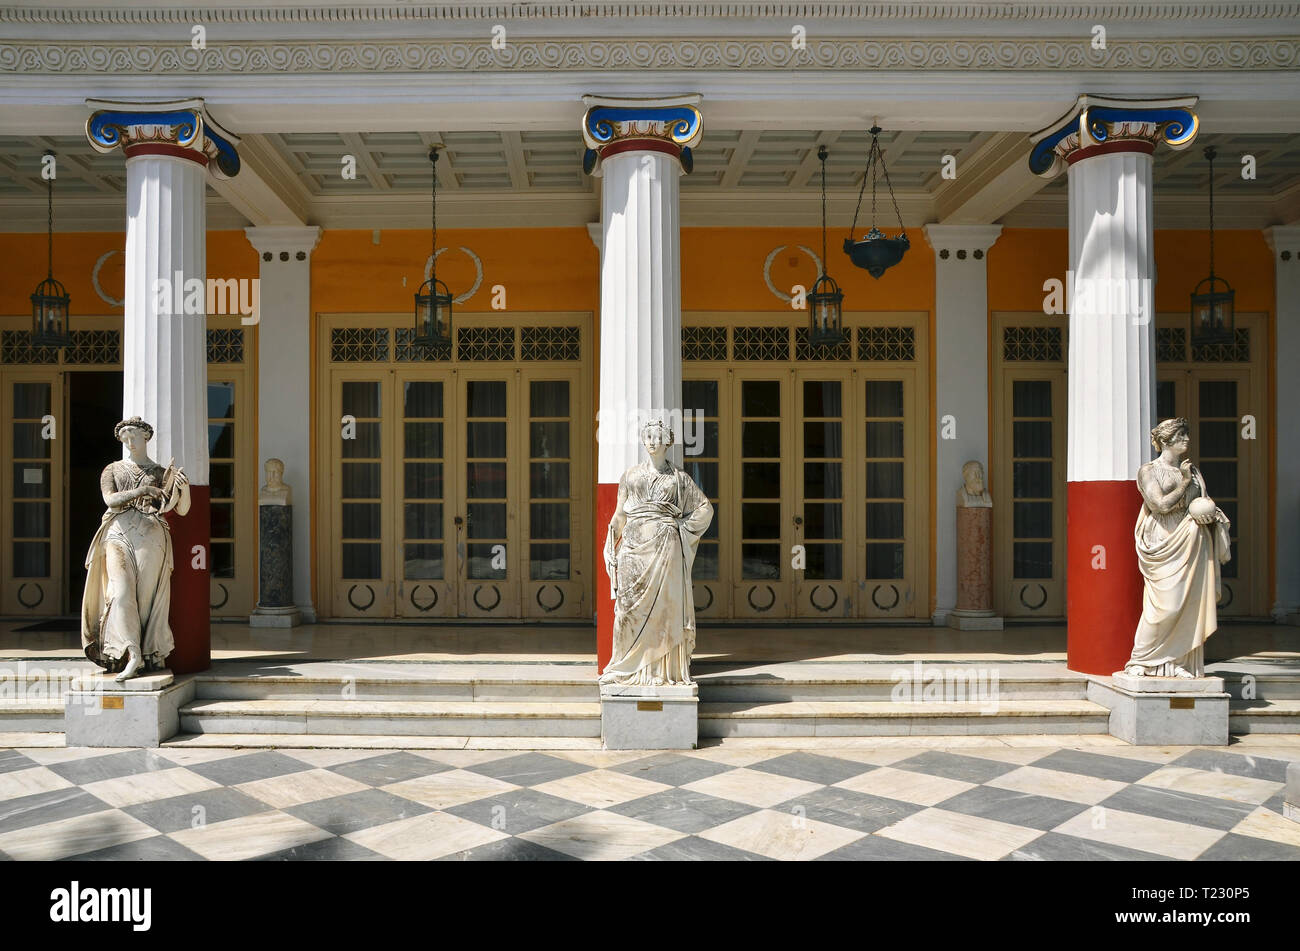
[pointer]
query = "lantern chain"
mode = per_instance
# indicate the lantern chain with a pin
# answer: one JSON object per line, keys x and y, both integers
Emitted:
{"x": 49, "y": 222}
{"x": 1210, "y": 154}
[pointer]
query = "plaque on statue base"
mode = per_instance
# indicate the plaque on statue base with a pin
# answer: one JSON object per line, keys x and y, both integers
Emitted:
{"x": 142, "y": 711}
{"x": 649, "y": 718}
{"x": 1164, "y": 711}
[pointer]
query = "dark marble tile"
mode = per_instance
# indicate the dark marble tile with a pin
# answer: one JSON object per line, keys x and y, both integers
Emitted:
{"x": 1016, "y": 808}
{"x": 12, "y": 760}
{"x": 683, "y": 810}
{"x": 529, "y": 769}
{"x": 813, "y": 768}
{"x": 51, "y": 806}
{"x": 518, "y": 811}
{"x": 850, "y": 810}
{"x": 1056, "y": 847}
{"x": 234, "y": 770}
{"x": 1235, "y": 764}
{"x": 1247, "y": 848}
{"x": 111, "y": 766}
{"x": 672, "y": 769}
{"x": 1180, "y": 806}
{"x": 185, "y": 811}
{"x": 508, "y": 850}
{"x": 875, "y": 848}
{"x": 389, "y": 768}
{"x": 355, "y": 811}
{"x": 694, "y": 849}
{"x": 160, "y": 848}
{"x": 970, "y": 769}
{"x": 324, "y": 850}
{"x": 1098, "y": 765}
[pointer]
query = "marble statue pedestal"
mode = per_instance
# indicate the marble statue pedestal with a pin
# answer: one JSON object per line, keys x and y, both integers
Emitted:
{"x": 263, "y": 616}
{"x": 275, "y": 607}
{"x": 1291, "y": 794}
{"x": 649, "y": 718}
{"x": 974, "y": 620}
{"x": 974, "y": 610}
{"x": 143, "y": 711}
{"x": 1164, "y": 711}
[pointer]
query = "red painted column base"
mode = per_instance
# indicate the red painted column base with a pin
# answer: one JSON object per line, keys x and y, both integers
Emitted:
{"x": 606, "y": 502}
{"x": 1103, "y": 604}
{"x": 191, "y": 588}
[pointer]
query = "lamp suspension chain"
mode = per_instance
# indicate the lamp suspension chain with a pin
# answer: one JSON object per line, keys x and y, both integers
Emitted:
{"x": 1210, "y": 154}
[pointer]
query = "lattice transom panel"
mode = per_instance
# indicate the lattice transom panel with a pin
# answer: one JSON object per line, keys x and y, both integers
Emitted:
{"x": 803, "y": 350}
{"x": 226, "y": 345}
{"x": 1032, "y": 344}
{"x": 704, "y": 343}
{"x": 762, "y": 343}
{"x": 887, "y": 343}
{"x": 1236, "y": 352}
{"x": 550, "y": 343}
{"x": 359, "y": 345}
{"x": 478, "y": 344}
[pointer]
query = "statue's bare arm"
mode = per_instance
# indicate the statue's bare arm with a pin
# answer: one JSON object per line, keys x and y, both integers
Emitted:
{"x": 1158, "y": 500}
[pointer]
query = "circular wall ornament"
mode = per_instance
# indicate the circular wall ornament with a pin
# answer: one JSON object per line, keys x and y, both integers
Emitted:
{"x": 433, "y": 601}
{"x": 771, "y": 598}
{"x": 225, "y": 596}
{"x": 767, "y": 270}
{"x": 478, "y": 271}
{"x": 487, "y": 607}
{"x": 94, "y": 279}
{"x": 368, "y": 604}
{"x": 548, "y": 608}
{"x": 885, "y": 607}
{"x": 709, "y": 592}
{"x": 812, "y": 598}
{"x": 40, "y": 595}
{"x": 1043, "y": 600}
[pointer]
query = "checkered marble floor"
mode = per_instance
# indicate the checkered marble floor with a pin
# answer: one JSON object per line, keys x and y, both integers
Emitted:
{"x": 718, "y": 803}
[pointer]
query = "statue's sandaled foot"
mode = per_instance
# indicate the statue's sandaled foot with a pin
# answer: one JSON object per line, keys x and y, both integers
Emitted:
{"x": 1135, "y": 670}
{"x": 133, "y": 665}
{"x": 1182, "y": 673}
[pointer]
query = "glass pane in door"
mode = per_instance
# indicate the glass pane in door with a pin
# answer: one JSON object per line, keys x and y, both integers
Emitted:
{"x": 32, "y": 485}
{"x": 549, "y": 462}
{"x": 885, "y": 488}
{"x": 422, "y": 479}
{"x": 760, "y": 479}
{"x": 221, "y": 476}
{"x": 362, "y": 480}
{"x": 1031, "y": 478}
{"x": 701, "y": 398}
{"x": 823, "y": 484}
{"x": 485, "y": 478}
{"x": 1217, "y": 448}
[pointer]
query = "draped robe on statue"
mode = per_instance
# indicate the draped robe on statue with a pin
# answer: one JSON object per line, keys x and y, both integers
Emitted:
{"x": 128, "y": 580}
{"x": 654, "y": 606}
{"x": 1180, "y": 560}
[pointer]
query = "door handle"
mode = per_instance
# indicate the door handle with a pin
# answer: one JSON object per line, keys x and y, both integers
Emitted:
{"x": 459, "y": 521}
{"x": 798, "y": 521}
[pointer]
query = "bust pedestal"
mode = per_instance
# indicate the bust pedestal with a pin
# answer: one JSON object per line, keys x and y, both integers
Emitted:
{"x": 142, "y": 711}
{"x": 1164, "y": 711}
{"x": 649, "y": 718}
{"x": 275, "y": 607}
{"x": 974, "y": 611}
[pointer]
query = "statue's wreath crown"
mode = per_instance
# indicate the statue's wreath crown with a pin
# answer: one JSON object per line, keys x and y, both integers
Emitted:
{"x": 135, "y": 422}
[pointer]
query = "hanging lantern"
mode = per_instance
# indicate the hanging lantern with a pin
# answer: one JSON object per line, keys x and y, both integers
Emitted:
{"x": 1213, "y": 318}
{"x": 50, "y": 301}
{"x": 825, "y": 301}
{"x": 433, "y": 299}
{"x": 876, "y": 253}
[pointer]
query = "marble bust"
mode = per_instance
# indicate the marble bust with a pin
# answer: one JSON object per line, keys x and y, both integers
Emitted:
{"x": 1182, "y": 541}
{"x": 275, "y": 491}
{"x": 649, "y": 552}
{"x": 972, "y": 493}
{"x": 124, "y": 625}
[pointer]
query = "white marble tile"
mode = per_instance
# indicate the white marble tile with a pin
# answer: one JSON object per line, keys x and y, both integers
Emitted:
{"x": 237, "y": 839}
{"x": 971, "y": 836}
{"x": 1262, "y": 824}
{"x": 1175, "y": 840}
{"x": 752, "y": 787}
{"x": 1208, "y": 783}
{"x": 734, "y": 757}
{"x": 294, "y": 789}
{"x": 146, "y": 787}
{"x": 187, "y": 756}
{"x": 781, "y": 835}
{"x": 906, "y": 785}
{"x": 425, "y": 837}
{"x": 29, "y": 782}
{"x": 74, "y": 836}
{"x": 325, "y": 758}
{"x": 451, "y": 788}
{"x": 601, "y": 836}
{"x": 66, "y": 754}
{"x": 1055, "y": 784}
{"x": 601, "y": 788}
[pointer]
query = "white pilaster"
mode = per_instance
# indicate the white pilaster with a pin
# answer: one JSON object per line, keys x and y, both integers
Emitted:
{"x": 164, "y": 343}
{"x": 1112, "y": 330}
{"x": 1285, "y": 242}
{"x": 284, "y": 379}
{"x": 961, "y": 381}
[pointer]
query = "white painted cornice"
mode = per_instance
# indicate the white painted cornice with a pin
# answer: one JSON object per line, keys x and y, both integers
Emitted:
{"x": 961, "y": 237}
{"x": 270, "y": 239}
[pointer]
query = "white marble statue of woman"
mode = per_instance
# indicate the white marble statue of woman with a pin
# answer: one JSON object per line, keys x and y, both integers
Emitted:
{"x": 1182, "y": 540}
{"x": 649, "y": 552}
{"x": 124, "y": 609}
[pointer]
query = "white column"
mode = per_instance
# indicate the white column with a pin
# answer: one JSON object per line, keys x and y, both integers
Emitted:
{"x": 961, "y": 382}
{"x": 284, "y": 380}
{"x": 1285, "y": 242}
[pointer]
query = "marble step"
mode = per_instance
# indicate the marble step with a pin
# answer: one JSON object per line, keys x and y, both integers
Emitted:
{"x": 887, "y": 718}
{"x": 31, "y": 716}
{"x": 19, "y": 741}
{"x": 527, "y": 683}
{"x": 1264, "y": 716}
{"x": 1265, "y": 686}
{"x": 353, "y": 741}
{"x": 879, "y": 682}
{"x": 392, "y": 717}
